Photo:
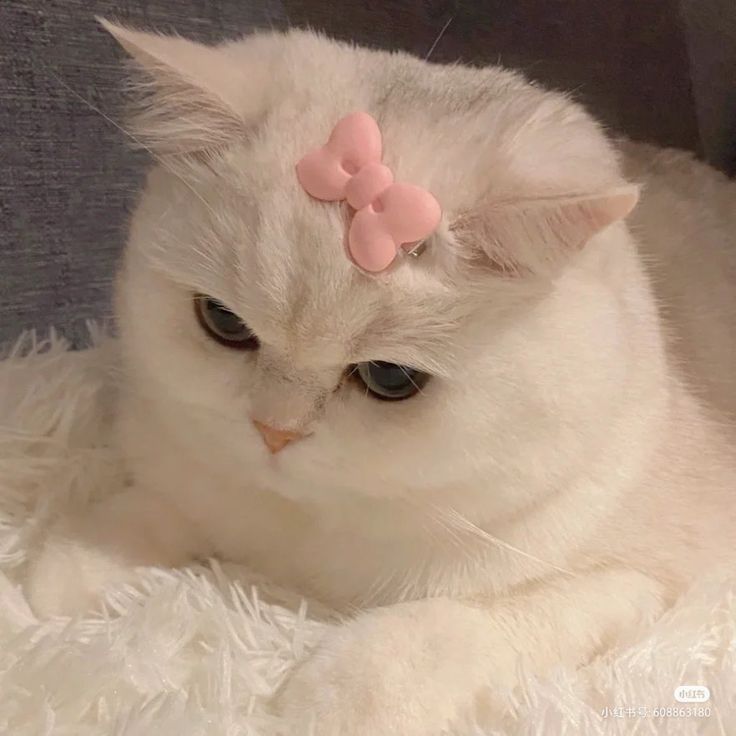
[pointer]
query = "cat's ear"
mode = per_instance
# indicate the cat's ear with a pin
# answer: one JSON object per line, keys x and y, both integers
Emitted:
{"x": 190, "y": 97}
{"x": 535, "y": 236}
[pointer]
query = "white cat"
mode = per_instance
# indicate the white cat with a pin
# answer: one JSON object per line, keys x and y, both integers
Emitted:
{"x": 560, "y": 465}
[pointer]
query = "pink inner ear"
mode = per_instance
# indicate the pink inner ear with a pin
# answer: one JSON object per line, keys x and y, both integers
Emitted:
{"x": 620, "y": 204}
{"x": 538, "y": 235}
{"x": 580, "y": 219}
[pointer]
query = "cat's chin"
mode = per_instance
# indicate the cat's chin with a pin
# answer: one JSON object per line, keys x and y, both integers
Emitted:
{"x": 290, "y": 486}
{"x": 298, "y": 483}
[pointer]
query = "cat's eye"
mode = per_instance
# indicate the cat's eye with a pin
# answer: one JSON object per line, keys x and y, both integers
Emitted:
{"x": 223, "y": 325}
{"x": 390, "y": 381}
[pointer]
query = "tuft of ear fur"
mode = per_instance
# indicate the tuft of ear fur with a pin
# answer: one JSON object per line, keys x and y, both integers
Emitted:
{"x": 535, "y": 236}
{"x": 190, "y": 97}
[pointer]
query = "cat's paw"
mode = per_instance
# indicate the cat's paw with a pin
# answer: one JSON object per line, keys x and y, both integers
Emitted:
{"x": 361, "y": 682}
{"x": 103, "y": 546}
{"x": 68, "y": 577}
{"x": 333, "y": 693}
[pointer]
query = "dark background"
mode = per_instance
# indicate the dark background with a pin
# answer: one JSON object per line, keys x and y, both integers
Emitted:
{"x": 657, "y": 70}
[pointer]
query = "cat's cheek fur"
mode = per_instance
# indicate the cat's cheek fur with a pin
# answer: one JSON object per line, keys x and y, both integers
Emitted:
{"x": 203, "y": 394}
{"x": 168, "y": 359}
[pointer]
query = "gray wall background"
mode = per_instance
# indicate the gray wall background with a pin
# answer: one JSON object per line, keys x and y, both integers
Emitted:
{"x": 67, "y": 180}
{"x": 660, "y": 70}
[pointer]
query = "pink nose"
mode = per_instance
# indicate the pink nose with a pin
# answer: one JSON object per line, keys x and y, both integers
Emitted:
{"x": 275, "y": 439}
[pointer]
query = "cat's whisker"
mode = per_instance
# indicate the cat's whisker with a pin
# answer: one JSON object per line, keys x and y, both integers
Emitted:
{"x": 441, "y": 530}
{"x": 164, "y": 164}
{"x": 464, "y": 524}
{"x": 379, "y": 586}
{"x": 457, "y": 526}
{"x": 411, "y": 380}
{"x": 436, "y": 41}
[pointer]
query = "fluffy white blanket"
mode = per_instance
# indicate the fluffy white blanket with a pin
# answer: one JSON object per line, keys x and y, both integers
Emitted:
{"x": 198, "y": 652}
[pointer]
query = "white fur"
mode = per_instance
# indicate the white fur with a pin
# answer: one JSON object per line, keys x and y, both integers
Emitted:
{"x": 189, "y": 653}
{"x": 555, "y": 484}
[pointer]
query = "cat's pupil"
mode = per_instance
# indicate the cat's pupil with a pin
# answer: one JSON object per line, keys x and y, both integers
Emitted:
{"x": 390, "y": 376}
{"x": 390, "y": 381}
{"x": 223, "y": 325}
{"x": 227, "y": 322}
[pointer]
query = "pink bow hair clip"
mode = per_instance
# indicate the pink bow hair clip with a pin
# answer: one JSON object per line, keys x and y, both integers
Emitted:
{"x": 388, "y": 215}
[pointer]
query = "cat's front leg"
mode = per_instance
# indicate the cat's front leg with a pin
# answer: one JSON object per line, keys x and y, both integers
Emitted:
{"x": 86, "y": 553}
{"x": 421, "y": 667}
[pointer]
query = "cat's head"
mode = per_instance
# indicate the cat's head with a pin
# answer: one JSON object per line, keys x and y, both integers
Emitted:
{"x": 503, "y": 335}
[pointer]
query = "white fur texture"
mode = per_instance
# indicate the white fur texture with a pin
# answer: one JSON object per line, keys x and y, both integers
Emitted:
{"x": 563, "y": 477}
{"x": 195, "y": 653}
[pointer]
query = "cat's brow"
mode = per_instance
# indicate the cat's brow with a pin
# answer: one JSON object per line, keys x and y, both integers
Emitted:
{"x": 423, "y": 336}
{"x": 437, "y": 358}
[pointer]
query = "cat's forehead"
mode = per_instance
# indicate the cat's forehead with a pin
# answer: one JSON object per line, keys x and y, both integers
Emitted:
{"x": 294, "y": 270}
{"x": 298, "y": 282}
{"x": 436, "y": 123}
{"x": 457, "y": 133}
